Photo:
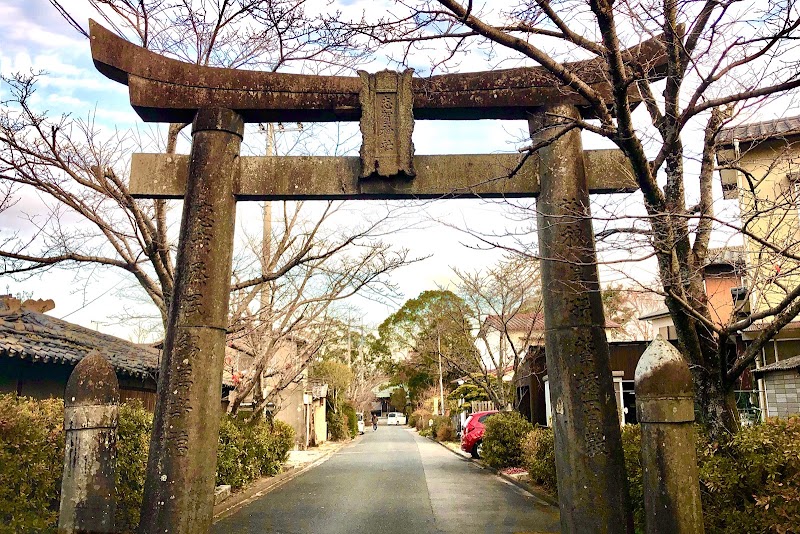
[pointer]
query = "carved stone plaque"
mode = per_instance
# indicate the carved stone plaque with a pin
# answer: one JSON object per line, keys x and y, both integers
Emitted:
{"x": 387, "y": 122}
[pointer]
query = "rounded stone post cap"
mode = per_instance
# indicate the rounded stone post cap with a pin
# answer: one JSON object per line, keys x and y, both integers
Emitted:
{"x": 93, "y": 381}
{"x": 662, "y": 370}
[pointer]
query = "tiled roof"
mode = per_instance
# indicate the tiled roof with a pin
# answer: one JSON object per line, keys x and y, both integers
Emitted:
{"x": 759, "y": 131}
{"x": 783, "y": 365}
{"x": 37, "y": 337}
{"x": 525, "y": 322}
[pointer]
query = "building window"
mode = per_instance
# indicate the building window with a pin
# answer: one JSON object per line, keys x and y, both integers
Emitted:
{"x": 668, "y": 332}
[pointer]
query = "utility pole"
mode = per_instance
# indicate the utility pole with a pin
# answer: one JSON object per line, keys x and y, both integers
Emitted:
{"x": 266, "y": 253}
{"x": 266, "y": 236}
{"x": 441, "y": 385}
{"x": 349, "y": 345}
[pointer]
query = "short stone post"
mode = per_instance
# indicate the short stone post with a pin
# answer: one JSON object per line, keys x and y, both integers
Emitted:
{"x": 665, "y": 407}
{"x": 91, "y": 400}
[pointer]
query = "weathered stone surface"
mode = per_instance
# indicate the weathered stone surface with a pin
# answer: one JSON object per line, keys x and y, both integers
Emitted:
{"x": 312, "y": 177}
{"x": 665, "y": 408}
{"x": 91, "y": 399}
{"x": 387, "y": 123}
{"x": 179, "y": 491}
{"x": 221, "y": 493}
{"x": 168, "y": 90}
{"x": 590, "y": 466}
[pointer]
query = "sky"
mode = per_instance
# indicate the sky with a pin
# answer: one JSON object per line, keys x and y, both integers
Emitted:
{"x": 36, "y": 38}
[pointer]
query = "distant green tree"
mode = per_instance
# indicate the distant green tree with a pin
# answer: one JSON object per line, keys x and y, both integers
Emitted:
{"x": 469, "y": 392}
{"x": 399, "y": 399}
{"x": 411, "y": 340}
{"x": 337, "y": 375}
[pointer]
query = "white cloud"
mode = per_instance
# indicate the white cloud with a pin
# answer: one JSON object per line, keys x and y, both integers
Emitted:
{"x": 19, "y": 29}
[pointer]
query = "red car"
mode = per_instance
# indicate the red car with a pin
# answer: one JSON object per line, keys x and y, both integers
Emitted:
{"x": 472, "y": 434}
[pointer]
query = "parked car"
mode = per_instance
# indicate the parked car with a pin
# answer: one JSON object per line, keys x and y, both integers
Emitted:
{"x": 360, "y": 422}
{"x": 472, "y": 433}
{"x": 396, "y": 418}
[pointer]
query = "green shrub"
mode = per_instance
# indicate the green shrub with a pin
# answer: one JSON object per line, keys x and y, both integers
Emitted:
{"x": 31, "y": 463}
{"x": 248, "y": 451}
{"x": 539, "y": 458}
{"x": 133, "y": 442}
{"x": 426, "y": 432}
{"x": 412, "y": 420}
{"x": 268, "y": 446}
{"x": 632, "y": 450}
{"x": 751, "y": 482}
{"x": 352, "y": 418}
{"x": 231, "y": 459}
{"x": 421, "y": 418}
{"x": 338, "y": 428}
{"x": 32, "y": 456}
{"x": 443, "y": 428}
{"x": 502, "y": 441}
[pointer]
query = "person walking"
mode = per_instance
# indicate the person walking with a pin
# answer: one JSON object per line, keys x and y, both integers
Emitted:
{"x": 374, "y": 422}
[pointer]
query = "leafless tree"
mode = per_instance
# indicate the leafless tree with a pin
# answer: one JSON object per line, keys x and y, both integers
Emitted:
{"x": 78, "y": 169}
{"x": 721, "y": 58}
{"x": 300, "y": 306}
{"x": 503, "y": 304}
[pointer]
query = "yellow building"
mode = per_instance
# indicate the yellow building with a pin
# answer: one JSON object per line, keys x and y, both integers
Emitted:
{"x": 763, "y": 171}
{"x": 760, "y": 165}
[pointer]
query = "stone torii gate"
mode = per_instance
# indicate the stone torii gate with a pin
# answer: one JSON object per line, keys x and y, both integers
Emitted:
{"x": 181, "y": 466}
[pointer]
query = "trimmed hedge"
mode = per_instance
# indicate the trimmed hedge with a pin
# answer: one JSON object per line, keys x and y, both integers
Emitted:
{"x": 749, "y": 483}
{"x": 248, "y": 451}
{"x": 32, "y": 460}
{"x": 502, "y": 441}
{"x": 443, "y": 429}
{"x": 352, "y": 418}
{"x": 539, "y": 457}
{"x": 338, "y": 427}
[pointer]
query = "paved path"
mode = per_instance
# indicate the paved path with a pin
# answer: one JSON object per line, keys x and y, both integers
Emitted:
{"x": 393, "y": 481}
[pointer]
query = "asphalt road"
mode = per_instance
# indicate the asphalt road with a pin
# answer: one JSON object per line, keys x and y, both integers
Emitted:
{"x": 392, "y": 481}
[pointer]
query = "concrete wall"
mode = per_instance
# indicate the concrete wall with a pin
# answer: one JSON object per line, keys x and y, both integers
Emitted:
{"x": 783, "y": 393}
{"x": 290, "y": 410}
{"x": 320, "y": 424}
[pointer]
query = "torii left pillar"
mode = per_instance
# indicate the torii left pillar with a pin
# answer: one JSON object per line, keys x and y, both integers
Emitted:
{"x": 181, "y": 467}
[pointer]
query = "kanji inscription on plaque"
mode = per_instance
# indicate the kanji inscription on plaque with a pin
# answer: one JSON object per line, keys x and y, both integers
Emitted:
{"x": 387, "y": 122}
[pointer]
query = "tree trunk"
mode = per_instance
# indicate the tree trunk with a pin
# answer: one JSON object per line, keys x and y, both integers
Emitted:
{"x": 716, "y": 399}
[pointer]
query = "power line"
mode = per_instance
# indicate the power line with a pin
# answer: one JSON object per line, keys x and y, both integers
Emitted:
{"x": 66, "y": 16}
{"x": 91, "y": 301}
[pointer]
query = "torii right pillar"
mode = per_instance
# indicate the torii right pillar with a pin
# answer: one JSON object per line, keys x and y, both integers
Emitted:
{"x": 592, "y": 488}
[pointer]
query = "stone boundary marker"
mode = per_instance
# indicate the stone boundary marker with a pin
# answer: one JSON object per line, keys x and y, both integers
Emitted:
{"x": 665, "y": 407}
{"x": 91, "y": 404}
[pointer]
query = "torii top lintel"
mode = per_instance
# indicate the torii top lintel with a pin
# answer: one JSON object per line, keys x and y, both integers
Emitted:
{"x": 168, "y": 90}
